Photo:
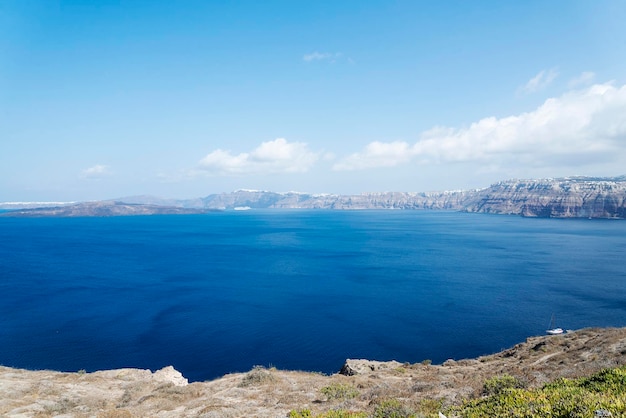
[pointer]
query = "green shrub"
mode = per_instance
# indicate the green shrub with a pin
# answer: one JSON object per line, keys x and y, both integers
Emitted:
{"x": 498, "y": 384}
{"x": 607, "y": 381}
{"x": 392, "y": 408}
{"x": 340, "y": 413}
{"x": 339, "y": 391}
{"x": 429, "y": 407}
{"x": 258, "y": 375}
{"x": 563, "y": 398}
{"x": 301, "y": 413}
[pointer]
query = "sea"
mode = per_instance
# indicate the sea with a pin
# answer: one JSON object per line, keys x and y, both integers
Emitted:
{"x": 223, "y": 292}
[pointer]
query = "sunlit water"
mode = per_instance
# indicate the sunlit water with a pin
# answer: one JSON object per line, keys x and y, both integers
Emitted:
{"x": 218, "y": 293}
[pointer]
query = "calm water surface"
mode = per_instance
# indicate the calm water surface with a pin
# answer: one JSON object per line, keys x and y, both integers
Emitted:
{"x": 218, "y": 293}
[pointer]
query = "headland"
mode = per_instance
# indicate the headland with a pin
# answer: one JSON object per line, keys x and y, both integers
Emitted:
{"x": 360, "y": 386}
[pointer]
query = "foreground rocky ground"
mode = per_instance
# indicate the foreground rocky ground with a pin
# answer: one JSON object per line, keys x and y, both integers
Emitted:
{"x": 273, "y": 393}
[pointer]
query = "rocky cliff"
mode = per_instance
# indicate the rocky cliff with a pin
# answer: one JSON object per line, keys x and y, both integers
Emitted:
{"x": 576, "y": 197}
{"x": 572, "y": 197}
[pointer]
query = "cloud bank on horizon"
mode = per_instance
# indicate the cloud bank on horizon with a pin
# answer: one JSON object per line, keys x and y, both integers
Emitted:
{"x": 584, "y": 126}
{"x": 95, "y": 172}
{"x": 277, "y": 156}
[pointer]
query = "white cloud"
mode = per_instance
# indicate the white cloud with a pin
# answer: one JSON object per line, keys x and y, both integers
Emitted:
{"x": 580, "y": 127}
{"x": 320, "y": 56}
{"x": 278, "y": 156}
{"x": 96, "y": 171}
{"x": 377, "y": 154}
{"x": 583, "y": 79}
{"x": 540, "y": 81}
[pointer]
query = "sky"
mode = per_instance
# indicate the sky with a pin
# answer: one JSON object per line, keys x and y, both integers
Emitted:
{"x": 182, "y": 99}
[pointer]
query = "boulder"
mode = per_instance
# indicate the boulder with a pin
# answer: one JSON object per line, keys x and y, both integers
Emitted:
{"x": 353, "y": 367}
{"x": 170, "y": 375}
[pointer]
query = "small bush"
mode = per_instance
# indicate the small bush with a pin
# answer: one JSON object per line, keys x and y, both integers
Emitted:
{"x": 392, "y": 408}
{"x": 300, "y": 413}
{"x": 429, "y": 407}
{"x": 498, "y": 384}
{"x": 258, "y": 375}
{"x": 340, "y": 413}
{"x": 339, "y": 391}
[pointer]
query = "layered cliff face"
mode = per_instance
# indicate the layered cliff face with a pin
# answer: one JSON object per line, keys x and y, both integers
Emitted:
{"x": 554, "y": 198}
{"x": 574, "y": 197}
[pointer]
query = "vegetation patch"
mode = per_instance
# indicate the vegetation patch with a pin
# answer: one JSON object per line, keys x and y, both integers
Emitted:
{"x": 257, "y": 376}
{"x": 339, "y": 413}
{"x": 499, "y": 384}
{"x": 429, "y": 407}
{"x": 339, "y": 391}
{"x": 602, "y": 394}
{"x": 393, "y": 408}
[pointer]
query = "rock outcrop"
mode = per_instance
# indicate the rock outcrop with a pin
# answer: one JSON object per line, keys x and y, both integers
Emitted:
{"x": 352, "y": 367}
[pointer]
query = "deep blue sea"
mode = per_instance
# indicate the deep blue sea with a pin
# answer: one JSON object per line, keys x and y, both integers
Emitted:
{"x": 223, "y": 292}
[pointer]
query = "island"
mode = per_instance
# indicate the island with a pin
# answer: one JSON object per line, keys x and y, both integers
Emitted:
{"x": 568, "y": 197}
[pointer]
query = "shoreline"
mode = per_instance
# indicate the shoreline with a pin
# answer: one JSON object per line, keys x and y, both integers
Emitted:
{"x": 271, "y": 392}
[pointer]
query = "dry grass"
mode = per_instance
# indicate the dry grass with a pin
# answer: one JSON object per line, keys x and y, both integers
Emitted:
{"x": 257, "y": 376}
{"x": 115, "y": 413}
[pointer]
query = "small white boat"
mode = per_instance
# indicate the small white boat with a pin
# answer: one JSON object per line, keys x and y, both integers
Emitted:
{"x": 553, "y": 330}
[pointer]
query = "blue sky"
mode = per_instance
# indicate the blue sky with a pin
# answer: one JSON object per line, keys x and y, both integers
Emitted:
{"x": 103, "y": 99}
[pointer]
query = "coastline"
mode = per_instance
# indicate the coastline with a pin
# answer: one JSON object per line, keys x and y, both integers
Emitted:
{"x": 270, "y": 392}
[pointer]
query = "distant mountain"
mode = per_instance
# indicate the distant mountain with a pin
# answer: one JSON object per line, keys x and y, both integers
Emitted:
{"x": 292, "y": 200}
{"x": 570, "y": 197}
{"x": 102, "y": 208}
{"x": 32, "y": 205}
{"x": 153, "y": 200}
